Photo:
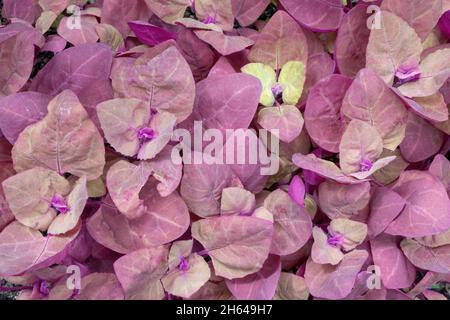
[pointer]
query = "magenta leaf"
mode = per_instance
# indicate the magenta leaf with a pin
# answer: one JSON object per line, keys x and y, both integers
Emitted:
{"x": 150, "y": 34}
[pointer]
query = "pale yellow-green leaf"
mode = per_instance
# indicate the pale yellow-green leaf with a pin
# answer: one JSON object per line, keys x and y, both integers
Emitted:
{"x": 267, "y": 76}
{"x": 292, "y": 79}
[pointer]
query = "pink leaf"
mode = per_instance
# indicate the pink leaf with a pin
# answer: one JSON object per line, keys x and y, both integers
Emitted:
{"x": 100, "y": 286}
{"x": 422, "y": 15}
{"x": 291, "y": 287}
{"x": 27, "y": 10}
{"x": 237, "y": 245}
{"x": 395, "y": 270}
{"x": 297, "y": 191}
{"x": 61, "y": 140}
{"x": 224, "y": 44}
{"x": 150, "y": 34}
{"x": 334, "y": 282}
{"x": 317, "y": 15}
{"x": 184, "y": 283}
{"x": 165, "y": 220}
{"x": 281, "y": 41}
{"x": 16, "y": 63}
{"x": 292, "y": 224}
{"x": 323, "y": 111}
{"x": 125, "y": 181}
{"x": 140, "y": 272}
{"x": 422, "y": 140}
{"x": 202, "y": 185}
{"x": 392, "y": 45}
{"x": 427, "y": 209}
{"x": 248, "y": 11}
{"x": 260, "y": 285}
{"x": 23, "y": 248}
{"x": 161, "y": 77}
{"x": 237, "y": 201}
{"x": 351, "y": 42}
{"x": 324, "y": 168}
{"x": 440, "y": 168}
{"x": 432, "y": 259}
{"x": 385, "y": 206}
{"x": 287, "y": 119}
{"x": 369, "y": 99}
{"x": 75, "y": 68}
{"x": 85, "y": 33}
{"x": 19, "y": 111}
{"x": 341, "y": 200}
{"x": 118, "y": 12}
{"x": 198, "y": 54}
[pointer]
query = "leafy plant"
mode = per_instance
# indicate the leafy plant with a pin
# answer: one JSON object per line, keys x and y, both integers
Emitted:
{"x": 99, "y": 100}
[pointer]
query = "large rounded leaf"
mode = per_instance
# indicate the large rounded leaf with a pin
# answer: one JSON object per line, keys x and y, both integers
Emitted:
{"x": 288, "y": 120}
{"x": 370, "y": 100}
{"x": 260, "y": 285}
{"x": 422, "y": 15}
{"x": 248, "y": 11}
{"x": 422, "y": 140}
{"x": 282, "y": 40}
{"x": 19, "y": 111}
{"x": 395, "y": 270}
{"x": 432, "y": 259}
{"x": 435, "y": 70}
{"x": 323, "y": 111}
{"x": 165, "y": 220}
{"x": 184, "y": 283}
{"x": 341, "y": 200}
{"x": 292, "y": 224}
{"x": 351, "y": 41}
{"x": 360, "y": 143}
{"x": 427, "y": 209}
{"x": 23, "y": 248}
{"x": 161, "y": 77}
{"x": 237, "y": 245}
{"x": 291, "y": 287}
{"x": 392, "y": 45}
{"x": 140, "y": 273}
{"x": 234, "y": 98}
{"x": 334, "y": 282}
{"x": 100, "y": 286}
{"x": 62, "y": 140}
{"x": 317, "y": 15}
{"x": 125, "y": 181}
{"x": 202, "y": 185}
